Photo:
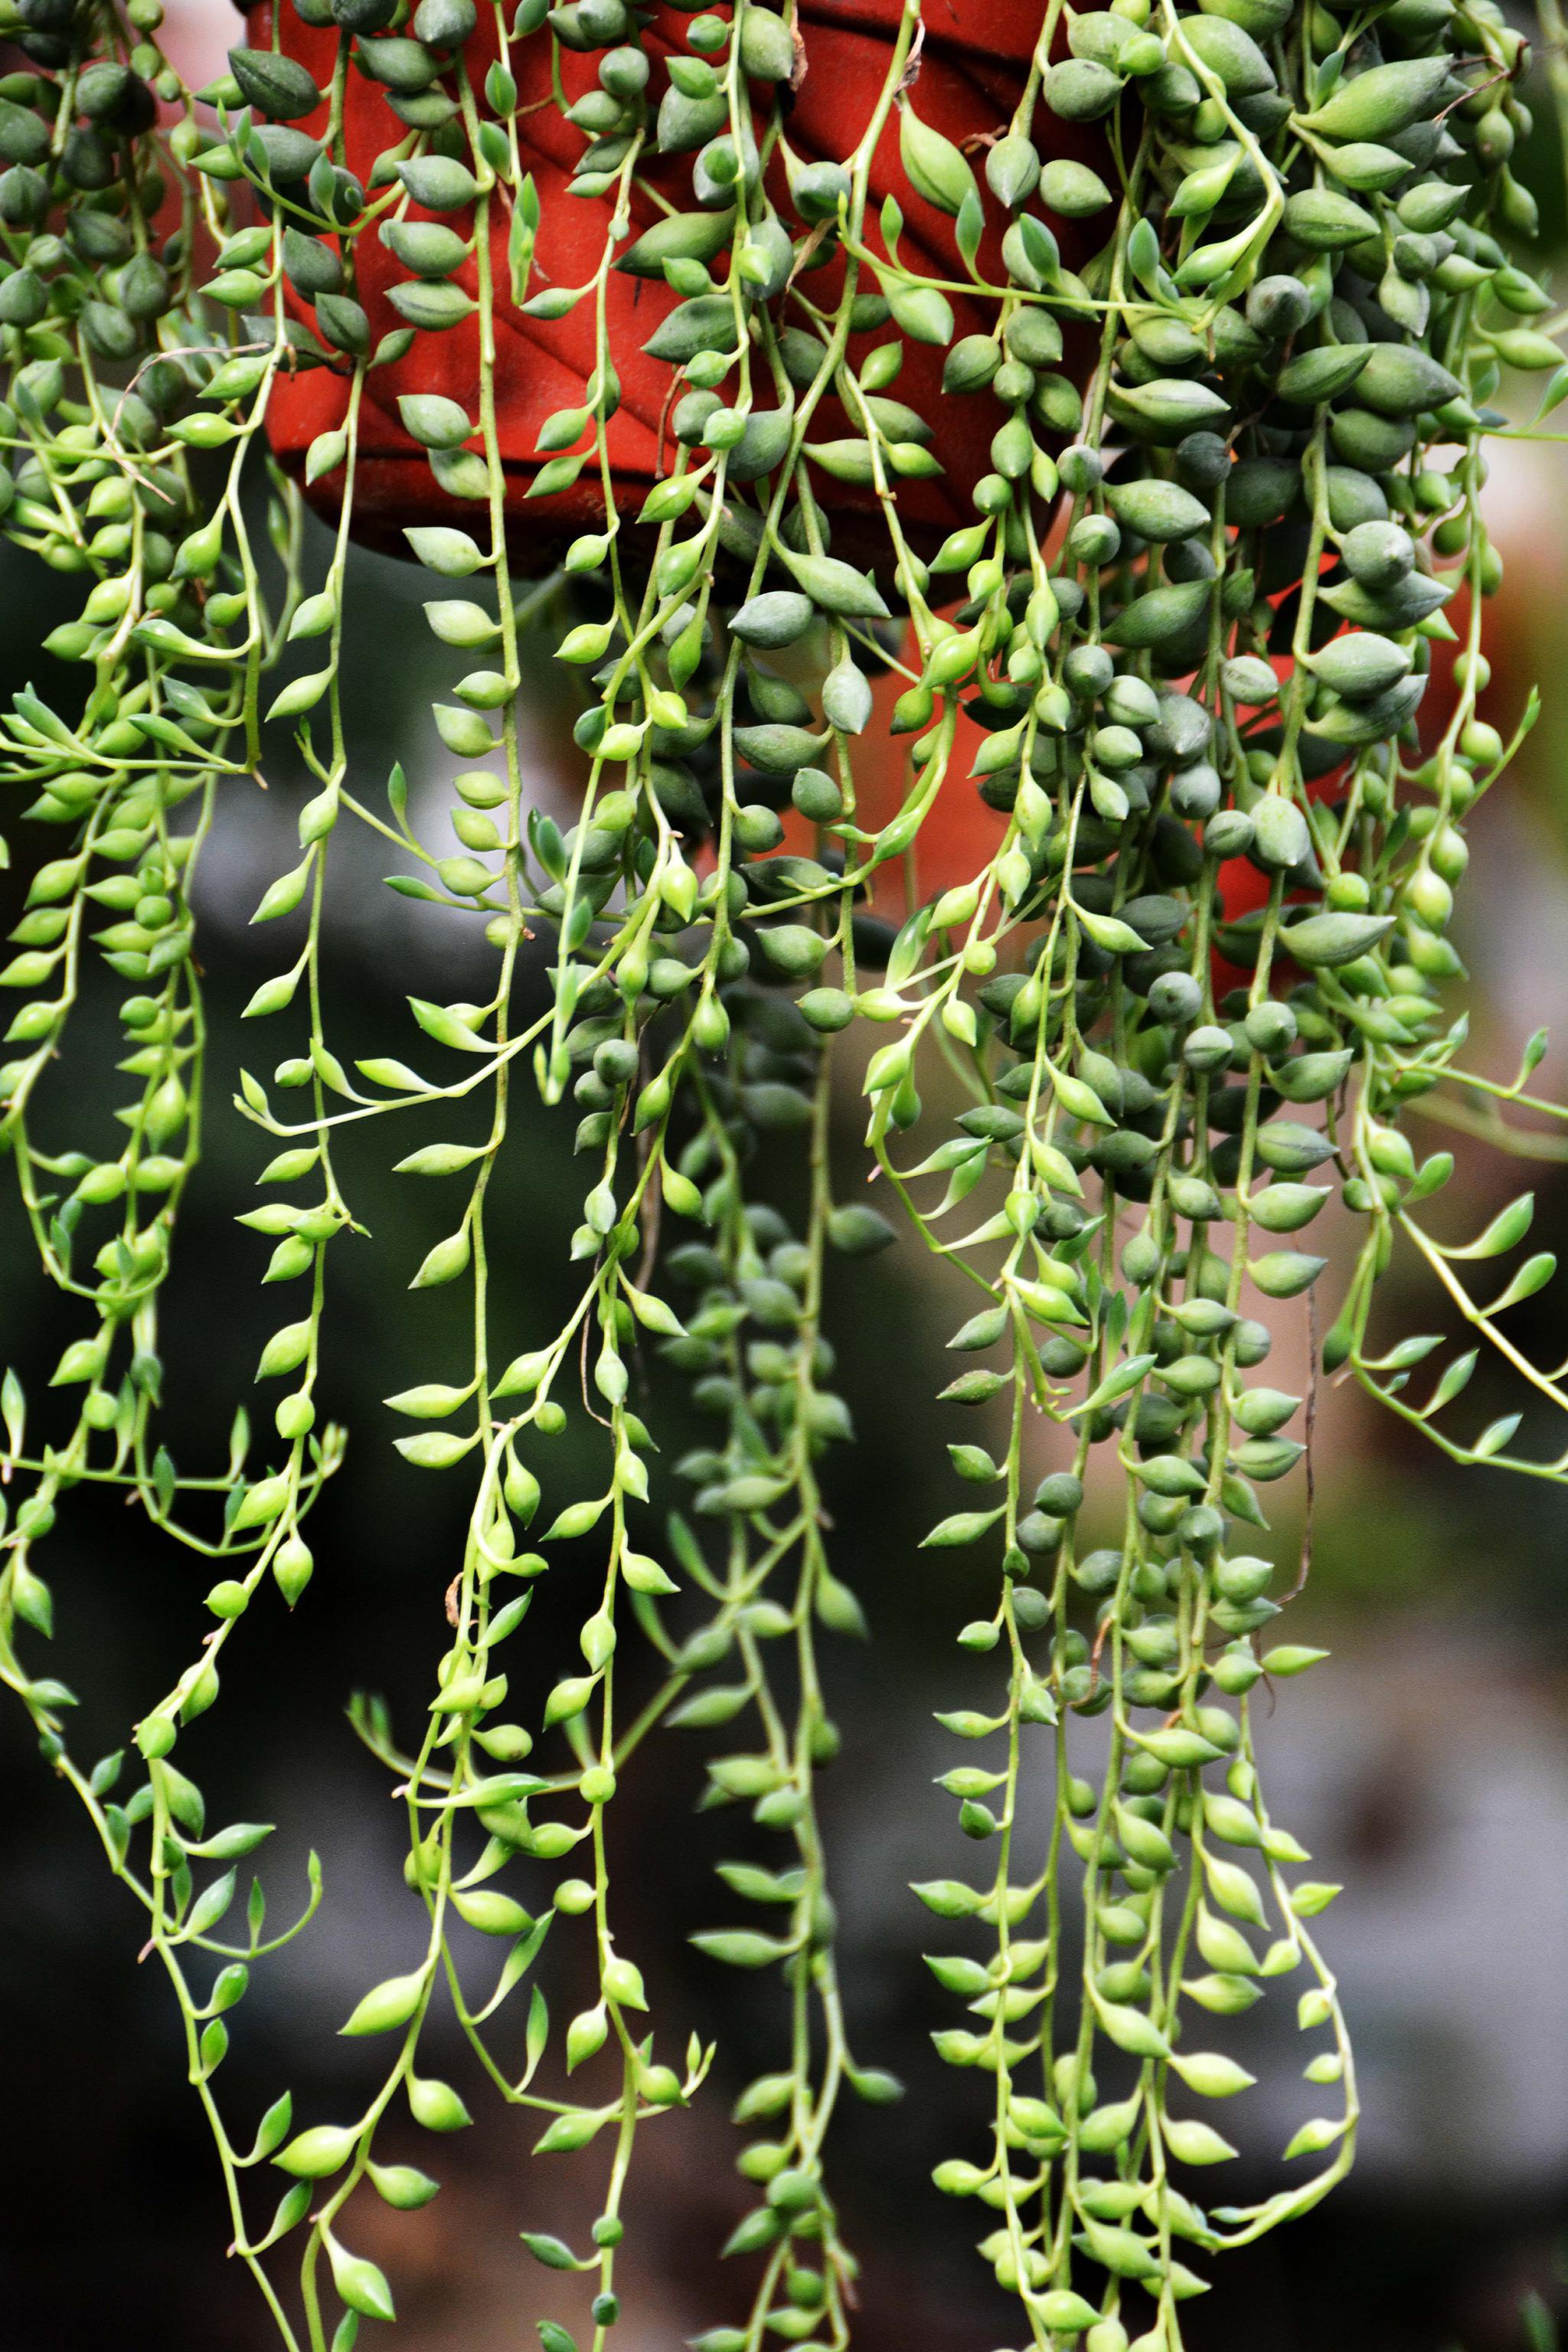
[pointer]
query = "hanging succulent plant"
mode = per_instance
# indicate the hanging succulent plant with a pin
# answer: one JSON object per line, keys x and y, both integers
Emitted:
{"x": 1117, "y": 381}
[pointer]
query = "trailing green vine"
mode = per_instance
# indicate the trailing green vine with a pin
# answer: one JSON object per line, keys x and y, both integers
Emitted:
{"x": 1233, "y": 491}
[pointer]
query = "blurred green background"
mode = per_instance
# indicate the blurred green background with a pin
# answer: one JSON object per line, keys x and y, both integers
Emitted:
{"x": 1427, "y": 1767}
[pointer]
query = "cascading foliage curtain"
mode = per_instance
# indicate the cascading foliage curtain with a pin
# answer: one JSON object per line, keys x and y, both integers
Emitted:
{"x": 1115, "y": 381}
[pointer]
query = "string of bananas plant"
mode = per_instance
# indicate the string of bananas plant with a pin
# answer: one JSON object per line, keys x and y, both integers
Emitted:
{"x": 1231, "y": 520}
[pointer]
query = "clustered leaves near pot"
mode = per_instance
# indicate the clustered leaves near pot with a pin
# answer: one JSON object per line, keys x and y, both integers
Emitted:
{"x": 1298, "y": 311}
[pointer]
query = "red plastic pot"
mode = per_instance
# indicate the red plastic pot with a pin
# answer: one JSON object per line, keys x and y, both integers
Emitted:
{"x": 972, "y": 72}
